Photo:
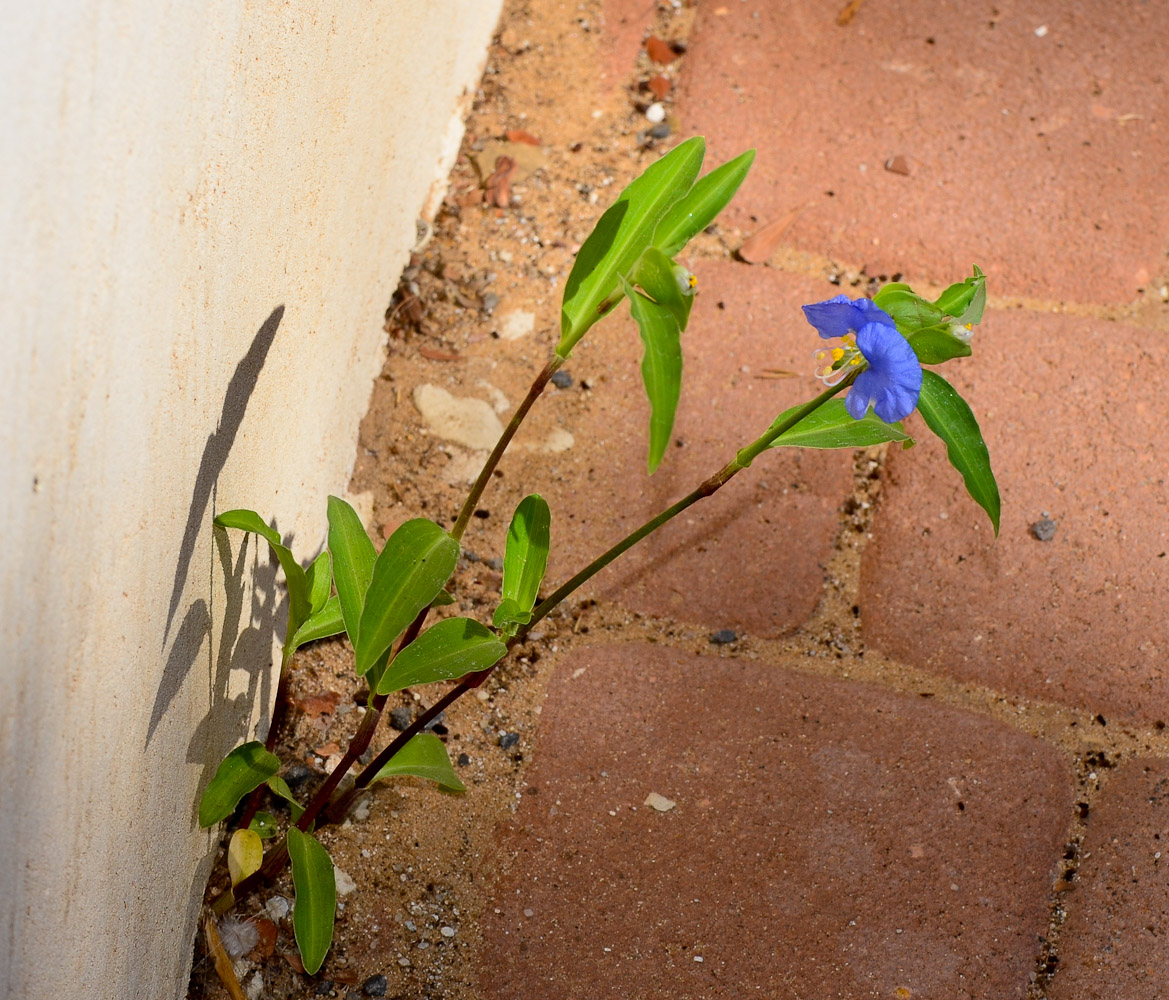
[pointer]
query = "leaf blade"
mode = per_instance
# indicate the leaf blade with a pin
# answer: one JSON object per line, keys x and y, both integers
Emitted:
{"x": 525, "y": 555}
{"x": 353, "y": 561}
{"x": 451, "y": 648}
{"x": 415, "y": 564}
{"x": 831, "y": 426}
{"x": 246, "y": 768}
{"x": 423, "y": 757}
{"x": 316, "y": 898}
{"x": 245, "y": 854}
{"x": 319, "y": 578}
{"x": 621, "y": 234}
{"x": 701, "y": 205}
{"x": 661, "y": 369}
{"x": 949, "y": 416}
{"x": 294, "y": 575}
{"x": 320, "y": 625}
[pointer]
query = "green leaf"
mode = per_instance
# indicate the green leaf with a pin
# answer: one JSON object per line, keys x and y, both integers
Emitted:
{"x": 264, "y": 823}
{"x": 423, "y": 757}
{"x": 620, "y": 237}
{"x": 279, "y": 786}
{"x": 661, "y": 368}
{"x": 696, "y": 211}
{"x": 298, "y": 596}
{"x": 442, "y": 600}
{"x": 316, "y": 898}
{"x": 965, "y": 300}
{"x": 508, "y": 615}
{"x": 525, "y": 557}
{"x": 448, "y": 649}
{"x": 831, "y": 426}
{"x": 951, "y": 419}
{"x": 320, "y": 625}
{"x": 411, "y": 570}
{"x": 659, "y": 278}
{"x": 319, "y": 578}
{"x": 245, "y": 768}
{"x": 929, "y": 329}
{"x": 245, "y": 854}
{"x": 353, "y": 560}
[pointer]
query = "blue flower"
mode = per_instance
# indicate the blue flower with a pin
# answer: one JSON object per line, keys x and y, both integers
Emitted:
{"x": 890, "y": 381}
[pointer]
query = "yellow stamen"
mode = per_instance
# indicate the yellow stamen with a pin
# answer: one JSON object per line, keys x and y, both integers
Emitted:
{"x": 837, "y": 353}
{"x": 693, "y": 280}
{"x": 855, "y": 361}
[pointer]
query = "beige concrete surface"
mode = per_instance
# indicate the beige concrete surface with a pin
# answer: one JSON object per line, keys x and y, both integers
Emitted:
{"x": 204, "y": 209}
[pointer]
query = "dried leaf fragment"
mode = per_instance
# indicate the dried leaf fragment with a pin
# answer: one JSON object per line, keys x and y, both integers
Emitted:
{"x": 759, "y": 247}
{"x": 659, "y": 802}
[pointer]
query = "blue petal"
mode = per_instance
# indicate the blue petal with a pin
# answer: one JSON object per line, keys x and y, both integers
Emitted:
{"x": 892, "y": 382}
{"x": 840, "y": 315}
{"x": 832, "y": 318}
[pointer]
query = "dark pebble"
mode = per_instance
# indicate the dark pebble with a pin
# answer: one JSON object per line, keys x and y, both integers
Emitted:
{"x": 436, "y": 723}
{"x": 723, "y": 636}
{"x": 324, "y": 987}
{"x": 660, "y": 131}
{"x": 508, "y": 740}
{"x": 490, "y": 301}
{"x": 561, "y": 379}
{"x": 375, "y": 986}
{"x": 298, "y": 774}
{"x": 463, "y": 760}
{"x": 1043, "y": 529}
{"x": 400, "y": 717}
{"x": 495, "y": 563}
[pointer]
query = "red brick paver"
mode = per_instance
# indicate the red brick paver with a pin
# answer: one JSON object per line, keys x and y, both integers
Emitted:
{"x": 752, "y": 556}
{"x": 1074, "y": 417}
{"x": 828, "y": 839}
{"x": 1034, "y": 135}
{"x": 1114, "y": 942}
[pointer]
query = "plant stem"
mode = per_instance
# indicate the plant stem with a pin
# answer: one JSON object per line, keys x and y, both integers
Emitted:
{"x": 709, "y": 486}
{"x": 509, "y": 431}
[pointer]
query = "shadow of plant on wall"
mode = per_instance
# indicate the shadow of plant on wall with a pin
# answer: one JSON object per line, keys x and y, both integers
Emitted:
{"x": 195, "y": 628}
{"x": 873, "y": 378}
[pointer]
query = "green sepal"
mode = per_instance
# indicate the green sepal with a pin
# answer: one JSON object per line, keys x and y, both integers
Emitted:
{"x": 831, "y": 426}
{"x": 661, "y": 368}
{"x": 949, "y": 416}
{"x": 316, "y": 898}
{"x": 246, "y": 768}
{"x": 621, "y": 235}
{"x": 448, "y": 649}
{"x": 423, "y": 757}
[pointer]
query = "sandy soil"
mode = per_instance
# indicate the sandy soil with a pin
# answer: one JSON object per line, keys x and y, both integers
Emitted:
{"x": 422, "y": 860}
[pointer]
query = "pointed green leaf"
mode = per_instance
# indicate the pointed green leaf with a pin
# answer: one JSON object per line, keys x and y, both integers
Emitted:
{"x": 320, "y": 625}
{"x": 442, "y": 600}
{"x": 525, "y": 557}
{"x": 417, "y": 561}
{"x": 298, "y": 596}
{"x": 700, "y": 207}
{"x": 316, "y": 898}
{"x": 319, "y": 578}
{"x": 279, "y": 786}
{"x": 620, "y": 237}
{"x": 264, "y": 823}
{"x": 423, "y": 757}
{"x": 245, "y": 768}
{"x": 661, "y": 369}
{"x": 660, "y": 278}
{"x": 448, "y": 649}
{"x": 934, "y": 346}
{"x": 353, "y": 560}
{"x": 831, "y": 426}
{"x": 508, "y": 615}
{"x": 965, "y": 300}
{"x": 929, "y": 329}
{"x": 951, "y": 419}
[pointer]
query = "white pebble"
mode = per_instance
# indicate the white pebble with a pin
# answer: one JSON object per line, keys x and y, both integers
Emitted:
{"x": 1041, "y": 31}
{"x": 447, "y": 932}
{"x": 698, "y": 958}
{"x": 277, "y": 907}
{"x": 655, "y": 113}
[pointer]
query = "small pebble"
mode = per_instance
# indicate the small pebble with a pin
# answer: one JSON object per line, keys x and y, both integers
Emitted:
{"x": 495, "y": 563}
{"x": 298, "y": 774}
{"x": 529, "y": 913}
{"x": 403, "y": 961}
{"x": 447, "y": 932}
{"x": 655, "y": 113}
{"x": 723, "y": 636}
{"x": 375, "y": 986}
{"x": 463, "y": 760}
{"x": 277, "y": 908}
{"x": 660, "y": 131}
{"x": 400, "y": 717}
{"x": 324, "y": 987}
{"x": 561, "y": 379}
{"x": 490, "y": 301}
{"x": 1043, "y": 529}
{"x": 508, "y": 740}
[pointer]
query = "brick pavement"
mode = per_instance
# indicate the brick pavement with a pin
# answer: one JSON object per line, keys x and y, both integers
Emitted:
{"x": 833, "y": 837}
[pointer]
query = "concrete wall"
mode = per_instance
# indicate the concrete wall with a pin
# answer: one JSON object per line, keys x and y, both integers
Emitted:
{"x": 204, "y": 208}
